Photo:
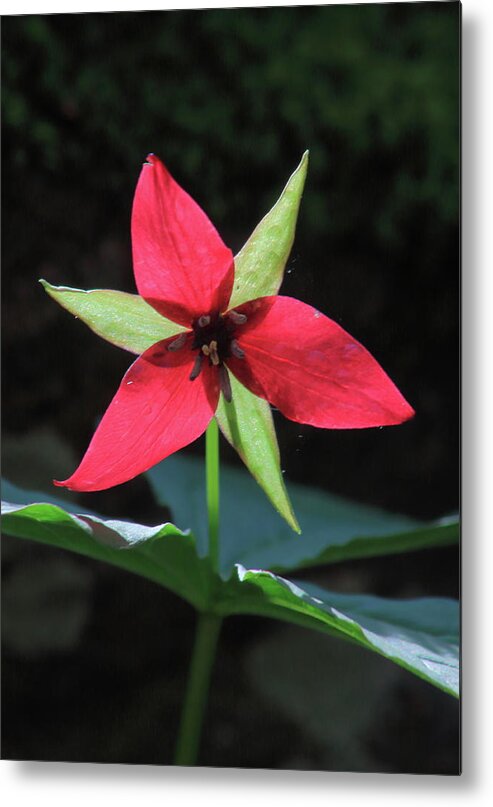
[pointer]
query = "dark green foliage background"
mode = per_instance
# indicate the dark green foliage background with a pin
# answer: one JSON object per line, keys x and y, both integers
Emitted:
{"x": 230, "y": 99}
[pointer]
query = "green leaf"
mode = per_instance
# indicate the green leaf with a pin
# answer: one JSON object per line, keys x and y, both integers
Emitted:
{"x": 259, "y": 266}
{"x": 125, "y": 320}
{"x": 163, "y": 553}
{"x": 253, "y": 534}
{"x": 420, "y": 635}
{"x": 247, "y": 424}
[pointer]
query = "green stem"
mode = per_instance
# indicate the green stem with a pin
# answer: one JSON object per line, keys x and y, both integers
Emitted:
{"x": 203, "y": 655}
{"x": 208, "y": 626}
{"x": 212, "y": 483}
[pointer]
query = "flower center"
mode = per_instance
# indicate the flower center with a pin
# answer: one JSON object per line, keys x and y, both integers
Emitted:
{"x": 212, "y": 336}
{"x": 214, "y": 339}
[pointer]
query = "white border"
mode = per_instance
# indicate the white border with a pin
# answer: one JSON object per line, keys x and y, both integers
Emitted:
{"x": 71, "y": 784}
{"x": 59, "y": 7}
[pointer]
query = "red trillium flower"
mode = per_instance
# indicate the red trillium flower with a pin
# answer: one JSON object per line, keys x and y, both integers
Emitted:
{"x": 279, "y": 348}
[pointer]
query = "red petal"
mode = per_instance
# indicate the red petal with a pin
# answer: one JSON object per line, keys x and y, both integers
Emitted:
{"x": 312, "y": 370}
{"x": 156, "y": 411}
{"x": 182, "y": 268}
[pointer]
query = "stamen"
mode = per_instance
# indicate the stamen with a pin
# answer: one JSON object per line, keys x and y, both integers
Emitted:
{"x": 204, "y": 320}
{"x": 211, "y": 351}
{"x": 196, "y": 368}
{"x": 178, "y": 343}
{"x": 238, "y": 319}
{"x": 236, "y": 349}
{"x": 214, "y": 353}
{"x": 225, "y": 383}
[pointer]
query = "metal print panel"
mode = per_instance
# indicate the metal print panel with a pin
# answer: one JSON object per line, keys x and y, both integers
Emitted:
{"x": 241, "y": 370}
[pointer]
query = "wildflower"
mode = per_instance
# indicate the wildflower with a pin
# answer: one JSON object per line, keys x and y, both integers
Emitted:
{"x": 281, "y": 349}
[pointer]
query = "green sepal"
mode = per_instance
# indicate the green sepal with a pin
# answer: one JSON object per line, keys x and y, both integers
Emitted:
{"x": 247, "y": 424}
{"x": 259, "y": 266}
{"x": 123, "y": 319}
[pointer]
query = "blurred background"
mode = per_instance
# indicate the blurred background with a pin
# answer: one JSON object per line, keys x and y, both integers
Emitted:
{"x": 93, "y": 658}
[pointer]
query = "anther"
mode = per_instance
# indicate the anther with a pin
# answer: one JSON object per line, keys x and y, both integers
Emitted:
{"x": 225, "y": 383}
{"x": 210, "y": 350}
{"x": 178, "y": 342}
{"x": 236, "y": 349}
{"x": 204, "y": 320}
{"x": 237, "y": 318}
{"x": 196, "y": 368}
